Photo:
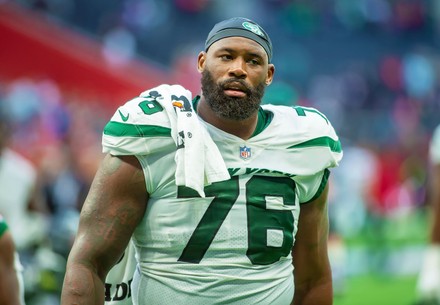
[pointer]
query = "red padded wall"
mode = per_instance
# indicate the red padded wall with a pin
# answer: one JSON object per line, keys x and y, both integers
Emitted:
{"x": 31, "y": 46}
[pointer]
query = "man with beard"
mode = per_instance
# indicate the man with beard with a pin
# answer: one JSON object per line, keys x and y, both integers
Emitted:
{"x": 210, "y": 192}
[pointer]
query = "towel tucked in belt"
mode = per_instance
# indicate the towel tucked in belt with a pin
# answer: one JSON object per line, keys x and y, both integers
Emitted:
{"x": 198, "y": 159}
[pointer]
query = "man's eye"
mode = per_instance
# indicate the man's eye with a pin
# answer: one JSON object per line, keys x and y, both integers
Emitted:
{"x": 254, "y": 61}
{"x": 226, "y": 57}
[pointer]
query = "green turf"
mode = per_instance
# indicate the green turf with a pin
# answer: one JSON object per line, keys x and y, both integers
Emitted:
{"x": 378, "y": 290}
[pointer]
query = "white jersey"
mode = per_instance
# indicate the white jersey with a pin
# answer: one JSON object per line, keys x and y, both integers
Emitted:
{"x": 234, "y": 246}
{"x": 435, "y": 146}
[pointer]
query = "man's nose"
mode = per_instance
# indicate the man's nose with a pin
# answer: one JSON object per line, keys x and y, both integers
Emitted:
{"x": 238, "y": 68}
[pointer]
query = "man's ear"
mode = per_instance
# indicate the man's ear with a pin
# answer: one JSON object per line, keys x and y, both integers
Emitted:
{"x": 270, "y": 73}
{"x": 201, "y": 59}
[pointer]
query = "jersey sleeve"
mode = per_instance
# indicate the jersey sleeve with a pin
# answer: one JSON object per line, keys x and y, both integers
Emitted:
{"x": 435, "y": 146}
{"x": 318, "y": 140}
{"x": 314, "y": 150}
{"x": 311, "y": 187}
{"x": 141, "y": 126}
{"x": 310, "y": 142}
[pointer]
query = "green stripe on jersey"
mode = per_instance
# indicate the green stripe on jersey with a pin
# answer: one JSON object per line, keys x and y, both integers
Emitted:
{"x": 3, "y": 227}
{"x": 321, "y": 188}
{"x": 321, "y": 141}
{"x": 301, "y": 111}
{"x": 118, "y": 129}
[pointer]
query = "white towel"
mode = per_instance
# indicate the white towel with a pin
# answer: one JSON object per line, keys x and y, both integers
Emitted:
{"x": 198, "y": 159}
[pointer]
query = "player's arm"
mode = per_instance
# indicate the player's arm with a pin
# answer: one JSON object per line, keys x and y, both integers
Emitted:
{"x": 9, "y": 286}
{"x": 312, "y": 273}
{"x": 113, "y": 208}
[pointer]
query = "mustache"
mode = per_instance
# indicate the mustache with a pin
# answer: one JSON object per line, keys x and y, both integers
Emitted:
{"x": 245, "y": 87}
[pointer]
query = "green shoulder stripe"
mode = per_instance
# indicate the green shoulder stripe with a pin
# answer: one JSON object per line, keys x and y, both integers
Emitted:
{"x": 3, "y": 227}
{"x": 118, "y": 129}
{"x": 321, "y": 187}
{"x": 334, "y": 146}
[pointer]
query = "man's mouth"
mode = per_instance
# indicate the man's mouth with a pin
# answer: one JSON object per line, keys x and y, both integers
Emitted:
{"x": 235, "y": 90}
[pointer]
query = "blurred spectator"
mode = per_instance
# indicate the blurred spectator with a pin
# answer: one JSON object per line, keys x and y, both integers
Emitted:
{"x": 11, "y": 281}
{"x": 51, "y": 145}
{"x": 348, "y": 211}
{"x": 119, "y": 46}
{"x": 19, "y": 202}
{"x": 428, "y": 286}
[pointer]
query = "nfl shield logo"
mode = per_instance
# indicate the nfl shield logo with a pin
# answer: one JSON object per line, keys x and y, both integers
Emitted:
{"x": 245, "y": 152}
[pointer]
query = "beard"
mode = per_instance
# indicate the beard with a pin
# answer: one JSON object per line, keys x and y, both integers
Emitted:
{"x": 227, "y": 107}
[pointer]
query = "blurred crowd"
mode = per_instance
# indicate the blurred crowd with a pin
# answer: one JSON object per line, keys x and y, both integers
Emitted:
{"x": 370, "y": 65}
{"x": 52, "y": 152}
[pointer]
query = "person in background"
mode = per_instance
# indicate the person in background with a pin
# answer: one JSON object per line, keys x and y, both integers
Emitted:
{"x": 11, "y": 282}
{"x": 428, "y": 285}
{"x": 225, "y": 199}
{"x": 20, "y": 203}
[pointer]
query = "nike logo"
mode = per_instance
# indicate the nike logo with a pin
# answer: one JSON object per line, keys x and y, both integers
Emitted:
{"x": 123, "y": 117}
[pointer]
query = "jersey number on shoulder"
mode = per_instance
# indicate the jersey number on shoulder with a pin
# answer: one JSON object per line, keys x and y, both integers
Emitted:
{"x": 260, "y": 219}
{"x": 301, "y": 111}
